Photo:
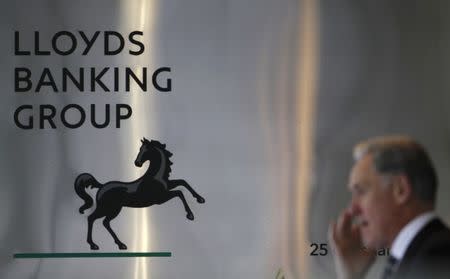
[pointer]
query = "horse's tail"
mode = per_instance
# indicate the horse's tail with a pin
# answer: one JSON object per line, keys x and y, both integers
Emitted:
{"x": 83, "y": 181}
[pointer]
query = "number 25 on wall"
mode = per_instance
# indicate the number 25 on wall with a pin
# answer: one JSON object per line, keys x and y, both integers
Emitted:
{"x": 318, "y": 249}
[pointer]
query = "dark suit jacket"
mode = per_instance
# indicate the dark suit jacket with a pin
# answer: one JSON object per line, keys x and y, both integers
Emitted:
{"x": 428, "y": 255}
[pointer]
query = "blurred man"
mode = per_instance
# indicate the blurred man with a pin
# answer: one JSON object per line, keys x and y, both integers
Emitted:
{"x": 393, "y": 185}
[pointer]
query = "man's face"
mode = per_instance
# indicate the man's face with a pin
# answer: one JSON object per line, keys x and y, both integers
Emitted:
{"x": 372, "y": 203}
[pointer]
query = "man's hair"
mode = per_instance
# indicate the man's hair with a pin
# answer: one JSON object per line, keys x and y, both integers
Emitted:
{"x": 402, "y": 155}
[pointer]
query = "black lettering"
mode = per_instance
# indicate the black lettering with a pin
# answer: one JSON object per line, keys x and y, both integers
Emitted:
{"x": 319, "y": 249}
{"x": 73, "y": 43}
{"x": 37, "y": 51}
{"x": 78, "y": 83}
{"x": 97, "y": 79}
{"x": 77, "y": 124}
{"x": 105, "y": 123}
{"x": 17, "y": 50}
{"x": 314, "y": 251}
{"x": 18, "y": 79}
{"x": 29, "y": 124}
{"x": 383, "y": 252}
{"x": 42, "y": 82}
{"x": 168, "y": 87}
{"x": 142, "y": 85}
{"x": 136, "y": 42}
{"x": 44, "y": 116}
{"x": 89, "y": 42}
{"x": 116, "y": 79}
{"x": 108, "y": 35}
{"x": 120, "y": 116}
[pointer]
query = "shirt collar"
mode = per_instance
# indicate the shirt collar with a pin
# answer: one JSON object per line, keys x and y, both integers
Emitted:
{"x": 407, "y": 234}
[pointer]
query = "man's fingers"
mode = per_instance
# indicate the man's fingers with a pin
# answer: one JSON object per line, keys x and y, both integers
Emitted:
{"x": 340, "y": 221}
{"x": 355, "y": 228}
{"x": 344, "y": 223}
{"x": 347, "y": 223}
{"x": 355, "y": 231}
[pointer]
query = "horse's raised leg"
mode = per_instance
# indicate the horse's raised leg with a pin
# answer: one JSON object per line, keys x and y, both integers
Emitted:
{"x": 181, "y": 182}
{"x": 106, "y": 223}
{"x": 178, "y": 193}
{"x": 91, "y": 220}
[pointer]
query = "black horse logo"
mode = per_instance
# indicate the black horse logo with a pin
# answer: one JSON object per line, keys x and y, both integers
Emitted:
{"x": 154, "y": 187}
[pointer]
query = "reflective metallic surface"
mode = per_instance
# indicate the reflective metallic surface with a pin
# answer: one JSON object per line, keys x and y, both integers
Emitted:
{"x": 268, "y": 98}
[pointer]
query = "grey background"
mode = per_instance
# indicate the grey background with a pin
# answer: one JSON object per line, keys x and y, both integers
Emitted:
{"x": 230, "y": 123}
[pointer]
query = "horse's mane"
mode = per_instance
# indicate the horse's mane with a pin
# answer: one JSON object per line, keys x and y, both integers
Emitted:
{"x": 165, "y": 152}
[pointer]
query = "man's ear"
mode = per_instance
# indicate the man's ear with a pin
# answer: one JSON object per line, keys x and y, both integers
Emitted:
{"x": 402, "y": 189}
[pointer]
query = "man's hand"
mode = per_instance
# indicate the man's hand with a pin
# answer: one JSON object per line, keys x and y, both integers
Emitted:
{"x": 352, "y": 260}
